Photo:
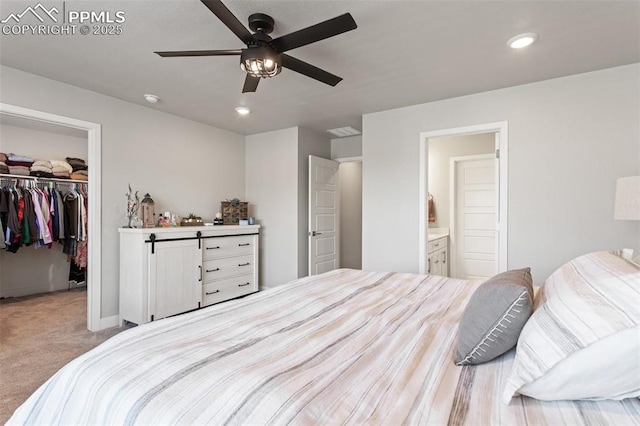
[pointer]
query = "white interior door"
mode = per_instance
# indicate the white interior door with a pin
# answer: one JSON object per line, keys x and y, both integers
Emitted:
{"x": 324, "y": 218}
{"x": 476, "y": 218}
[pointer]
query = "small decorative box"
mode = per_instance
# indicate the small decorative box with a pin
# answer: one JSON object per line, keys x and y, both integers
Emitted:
{"x": 233, "y": 212}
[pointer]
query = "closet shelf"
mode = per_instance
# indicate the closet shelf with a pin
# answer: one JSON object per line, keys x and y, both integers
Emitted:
{"x": 43, "y": 179}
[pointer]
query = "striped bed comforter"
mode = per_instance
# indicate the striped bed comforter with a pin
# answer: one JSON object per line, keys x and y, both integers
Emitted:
{"x": 346, "y": 347}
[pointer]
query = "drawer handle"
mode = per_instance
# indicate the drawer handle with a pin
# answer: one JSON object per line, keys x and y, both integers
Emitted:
{"x": 212, "y": 292}
{"x": 244, "y": 264}
{"x": 436, "y": 245}
{"x": 245, "y": 244}
{"x": 242, "y": 285}
{"x": 213, "y": 248}
{"x": 213, "y": 270}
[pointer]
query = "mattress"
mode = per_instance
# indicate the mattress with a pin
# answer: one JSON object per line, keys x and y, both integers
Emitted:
{"x": 345, "y": 347}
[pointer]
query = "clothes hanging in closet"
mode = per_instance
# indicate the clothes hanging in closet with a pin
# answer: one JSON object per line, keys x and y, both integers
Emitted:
{"x": 75, "y": 225}
{"x": 42, "y": 216}
{"x": 4, "y": 212}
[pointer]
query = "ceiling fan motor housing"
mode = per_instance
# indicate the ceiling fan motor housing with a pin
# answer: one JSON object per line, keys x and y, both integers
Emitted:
{"x": 259, "y": 22}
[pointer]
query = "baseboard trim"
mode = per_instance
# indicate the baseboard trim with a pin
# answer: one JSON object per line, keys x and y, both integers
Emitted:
{"x": 37, "y": 289}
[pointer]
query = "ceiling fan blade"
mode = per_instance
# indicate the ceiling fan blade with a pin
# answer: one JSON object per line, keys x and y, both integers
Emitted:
{"x": 250, "y": 84}
{"x": 326, "y": 29}
{"x": 309, "y": 70}
{"x": 229, "y": 19}
{"x": 199, "y": 53}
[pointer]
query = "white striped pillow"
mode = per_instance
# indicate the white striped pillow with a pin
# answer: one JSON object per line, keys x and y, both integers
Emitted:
{"x": 582, "y": 341}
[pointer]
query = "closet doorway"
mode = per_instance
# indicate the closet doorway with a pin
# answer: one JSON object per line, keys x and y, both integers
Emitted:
{"x": 485, "y": 139}
{"x": 335, "y": 213}
{"x": 92, "y": 132}
{"x": 350, "y": 212}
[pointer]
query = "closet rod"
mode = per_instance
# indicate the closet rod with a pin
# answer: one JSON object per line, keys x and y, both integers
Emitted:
{"x": 4, "y": 176}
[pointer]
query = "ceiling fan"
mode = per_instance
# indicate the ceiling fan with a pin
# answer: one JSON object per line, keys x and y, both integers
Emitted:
{"x": 264, "y": 57}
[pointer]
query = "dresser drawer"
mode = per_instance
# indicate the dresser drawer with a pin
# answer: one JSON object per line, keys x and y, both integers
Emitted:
{"x": 436, "y": 244}
{"x": 215, "y": 269}
{"x": 226, "y": 289}
{"x": 228, "y": 246}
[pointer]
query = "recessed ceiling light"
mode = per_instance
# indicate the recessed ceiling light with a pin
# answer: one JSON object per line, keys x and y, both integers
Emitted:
{"x": 522, "y": 40}
{"x": 152, "y": 99}
{"x": 243, "y": 110}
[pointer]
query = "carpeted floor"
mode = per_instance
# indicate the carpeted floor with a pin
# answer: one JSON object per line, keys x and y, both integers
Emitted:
{"x": 38, "y": 335}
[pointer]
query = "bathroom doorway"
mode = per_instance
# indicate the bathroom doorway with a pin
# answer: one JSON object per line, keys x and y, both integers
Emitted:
{"x": 477, "y": 247}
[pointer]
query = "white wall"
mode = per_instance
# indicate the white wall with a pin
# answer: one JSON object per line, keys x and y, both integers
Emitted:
{"x": 351, "y": 215}
{"x": 40, "y": 144}
{"x": 277, "y": 188}
{"x": 309, "y": 143}
{"x": 272, "y": 193}
{"x": 440, "y": 152}
{"x": 346, "y": 147}
{"x": 185, "y": 165}
{"x": 569, "y": 139}
{"x": 32, "y": 270}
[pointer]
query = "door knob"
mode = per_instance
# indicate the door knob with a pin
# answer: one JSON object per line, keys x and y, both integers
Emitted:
{"x": 314, "y": 233}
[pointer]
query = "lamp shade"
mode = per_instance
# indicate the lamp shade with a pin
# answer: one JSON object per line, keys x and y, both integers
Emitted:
{"x": 627, "y": 198}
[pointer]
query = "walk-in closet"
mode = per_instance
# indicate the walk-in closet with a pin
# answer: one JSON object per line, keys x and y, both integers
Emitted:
{"x": 44, "y": 208}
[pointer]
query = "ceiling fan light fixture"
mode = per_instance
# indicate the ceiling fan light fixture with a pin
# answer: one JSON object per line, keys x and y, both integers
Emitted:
{"x": 260, "y": 61}
{"x": 522, "y": 40}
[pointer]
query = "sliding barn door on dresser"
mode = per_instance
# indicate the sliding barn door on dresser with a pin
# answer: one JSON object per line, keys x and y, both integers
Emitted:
{"x": 168, "y": 271}
{"x": 174, "y": 270}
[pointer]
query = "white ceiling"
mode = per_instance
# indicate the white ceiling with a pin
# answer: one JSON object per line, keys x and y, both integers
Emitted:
{"x": 403, "y": 53}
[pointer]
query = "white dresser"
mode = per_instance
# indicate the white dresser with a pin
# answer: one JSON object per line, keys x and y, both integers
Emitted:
{"x": 437, "y": 261}
{"x": 167, "y": 271}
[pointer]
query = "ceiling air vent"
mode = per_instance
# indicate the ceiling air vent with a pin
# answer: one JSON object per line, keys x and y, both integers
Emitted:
{"x": 343, "y": 132}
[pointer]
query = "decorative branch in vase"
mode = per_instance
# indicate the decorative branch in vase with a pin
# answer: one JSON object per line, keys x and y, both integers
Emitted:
{"x": 133, "y": 202}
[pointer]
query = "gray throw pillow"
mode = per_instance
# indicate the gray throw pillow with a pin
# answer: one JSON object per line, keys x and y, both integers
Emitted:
{"x": 494, "y": 317}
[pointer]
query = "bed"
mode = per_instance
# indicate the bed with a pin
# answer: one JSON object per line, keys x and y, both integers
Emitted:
{"x": 345, "y": 347}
